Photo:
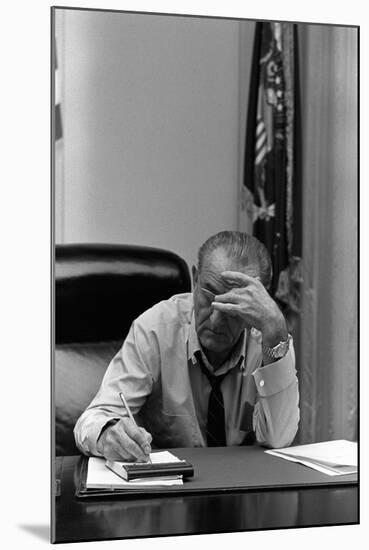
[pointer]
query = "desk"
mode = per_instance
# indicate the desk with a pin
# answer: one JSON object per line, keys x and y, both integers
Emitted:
{"x": 210, "y": 512}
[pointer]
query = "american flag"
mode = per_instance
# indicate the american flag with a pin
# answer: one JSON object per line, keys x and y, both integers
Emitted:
{"x": 271, "y": 191}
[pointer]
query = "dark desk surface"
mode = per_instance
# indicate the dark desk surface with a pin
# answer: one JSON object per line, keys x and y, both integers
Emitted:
{"x": 211, "y": 512}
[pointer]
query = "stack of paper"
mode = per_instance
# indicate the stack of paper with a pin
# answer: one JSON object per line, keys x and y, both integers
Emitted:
{"x": 100, "y": 477}
{"x": 333, "y": 458}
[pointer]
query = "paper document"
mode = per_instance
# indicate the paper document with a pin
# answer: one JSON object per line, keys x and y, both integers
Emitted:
{"x": 100, "y": 477}
{"x": 333, "y": 458}
{"x": 162, "y": 457}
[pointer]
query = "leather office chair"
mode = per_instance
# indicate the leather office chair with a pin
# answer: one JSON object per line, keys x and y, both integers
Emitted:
{"x": 99, "y": 290}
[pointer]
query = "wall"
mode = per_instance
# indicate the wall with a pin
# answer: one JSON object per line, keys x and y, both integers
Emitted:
{"x": 151, "y": 128}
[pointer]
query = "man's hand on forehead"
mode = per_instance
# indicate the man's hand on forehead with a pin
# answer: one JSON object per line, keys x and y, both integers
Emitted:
{"x": 249, "y": 300}
{"x": 238, "y": 278}
{"x": 229, "y": 280}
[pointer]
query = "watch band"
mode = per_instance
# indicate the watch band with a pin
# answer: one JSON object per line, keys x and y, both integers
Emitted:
{"x": 278, "y": 351}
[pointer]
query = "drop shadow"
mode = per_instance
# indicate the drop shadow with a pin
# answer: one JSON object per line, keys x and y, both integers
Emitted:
{"x": 40, "y": 531}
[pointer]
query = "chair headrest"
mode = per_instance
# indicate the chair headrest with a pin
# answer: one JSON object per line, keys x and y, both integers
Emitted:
{"x": 100, "y": 289}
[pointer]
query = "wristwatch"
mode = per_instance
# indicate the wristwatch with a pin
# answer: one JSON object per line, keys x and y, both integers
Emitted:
{"x": 279, "y": 350}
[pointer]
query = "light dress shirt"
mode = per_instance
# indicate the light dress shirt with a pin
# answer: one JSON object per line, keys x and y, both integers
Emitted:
{"x": 158, "y": 371}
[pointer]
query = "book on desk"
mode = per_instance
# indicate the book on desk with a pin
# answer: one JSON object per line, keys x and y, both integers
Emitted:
{"x": 163, "y": 470}
{"x": 151, "y": 470}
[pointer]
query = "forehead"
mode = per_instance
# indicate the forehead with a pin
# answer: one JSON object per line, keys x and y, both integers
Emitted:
{"x": 219, "y": 261}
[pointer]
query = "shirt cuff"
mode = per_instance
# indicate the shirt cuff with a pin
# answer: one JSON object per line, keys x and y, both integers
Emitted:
{"x": 275, "y": 377}
{"x": 88, "y": 432}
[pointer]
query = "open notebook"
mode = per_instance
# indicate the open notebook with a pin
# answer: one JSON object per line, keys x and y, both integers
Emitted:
{"x": 99, "y": 476}
{"x": 333, "y": 458}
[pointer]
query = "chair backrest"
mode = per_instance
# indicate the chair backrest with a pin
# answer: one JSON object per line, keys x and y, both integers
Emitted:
{"x": 99, "y": 290}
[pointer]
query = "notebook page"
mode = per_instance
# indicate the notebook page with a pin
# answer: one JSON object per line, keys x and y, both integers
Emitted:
{"x": 163, "y": 457}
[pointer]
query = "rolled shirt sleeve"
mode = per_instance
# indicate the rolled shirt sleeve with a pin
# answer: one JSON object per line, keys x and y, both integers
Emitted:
{"x": 276, "y": 412}
{"x": 88, "y": 429}
{"x": 131, "y": 371}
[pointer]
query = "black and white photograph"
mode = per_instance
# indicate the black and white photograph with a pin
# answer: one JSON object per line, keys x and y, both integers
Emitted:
{"x": 183, "y": 274}
{"x": 205, "y": 274}
{"x": 183, "y": 277}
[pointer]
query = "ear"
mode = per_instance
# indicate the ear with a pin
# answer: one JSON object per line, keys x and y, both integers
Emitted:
{"x": 195, "y": 275}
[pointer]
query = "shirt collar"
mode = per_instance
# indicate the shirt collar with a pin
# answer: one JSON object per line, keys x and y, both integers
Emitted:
{"x": 194, "y": 347}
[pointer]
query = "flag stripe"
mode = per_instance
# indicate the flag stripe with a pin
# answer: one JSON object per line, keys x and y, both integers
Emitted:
{"x": 261, "y": 155}
{"x": 260, "y": 142}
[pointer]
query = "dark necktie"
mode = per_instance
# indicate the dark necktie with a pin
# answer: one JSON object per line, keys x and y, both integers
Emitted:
{"x": 215, "y": 428}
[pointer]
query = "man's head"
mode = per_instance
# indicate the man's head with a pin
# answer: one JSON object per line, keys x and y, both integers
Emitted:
{"x": 225, "y": 251}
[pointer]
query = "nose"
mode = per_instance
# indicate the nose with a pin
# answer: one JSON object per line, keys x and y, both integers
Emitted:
{"x": 216, "y": 318}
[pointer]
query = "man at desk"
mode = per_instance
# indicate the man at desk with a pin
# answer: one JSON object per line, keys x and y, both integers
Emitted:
{"x": 211, "y": 367}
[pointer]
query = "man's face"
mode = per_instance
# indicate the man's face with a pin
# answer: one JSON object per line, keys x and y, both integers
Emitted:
{"x": 216, "y": 331}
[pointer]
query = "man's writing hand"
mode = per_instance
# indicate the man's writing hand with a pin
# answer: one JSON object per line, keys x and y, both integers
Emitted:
{"x": 125, "y": 441}
{"x": 250, "y": 301}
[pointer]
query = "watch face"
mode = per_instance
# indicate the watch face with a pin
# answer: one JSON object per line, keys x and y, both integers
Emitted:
{"x": 281, "y": 349}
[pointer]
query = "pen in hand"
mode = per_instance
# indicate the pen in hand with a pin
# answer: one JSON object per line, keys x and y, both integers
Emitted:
{"x": 126, "y": 406}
